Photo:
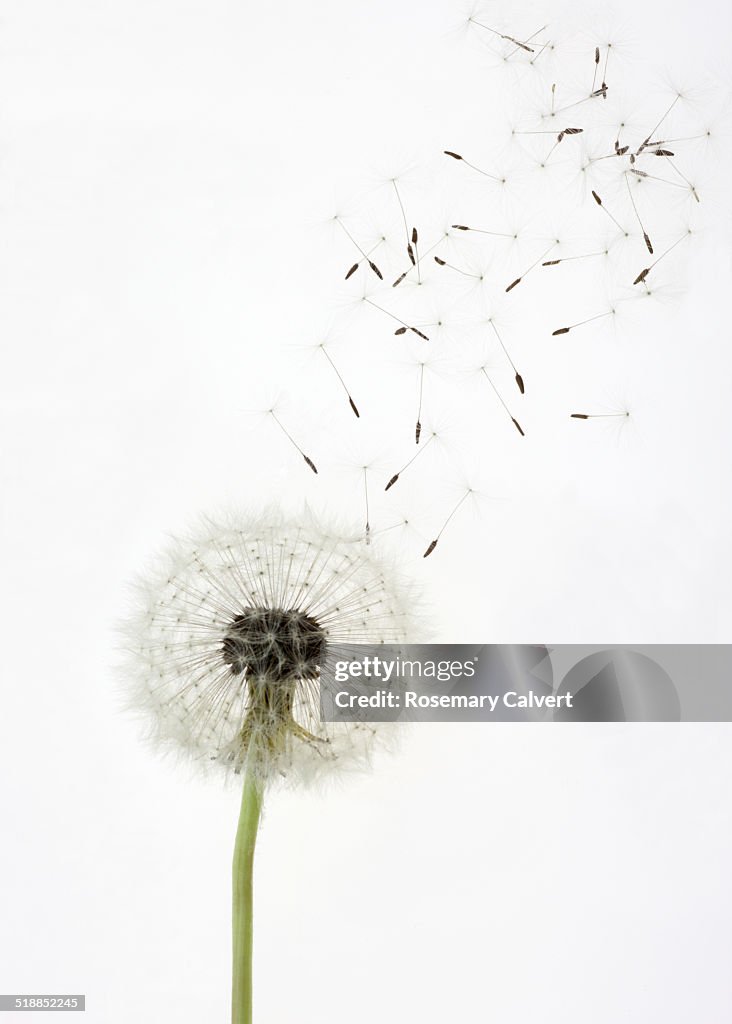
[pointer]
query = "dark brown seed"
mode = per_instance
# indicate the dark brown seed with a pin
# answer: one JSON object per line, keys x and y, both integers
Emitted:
{"x": 573, "y": 131}
{"x": 520, "y": 382}
{"x": 647, "y": 240}
{"x": 460, "y": 227}
{"x": 579, "y": 416}
{"x": 562, "y": 330}
{"x": 392, "y": 481}
{"x": 430, "y": 549}
{"x": 517, "y": 425}
{"x": 376, "y": 270}
{"x": 439, "y": 262}
{"x": 642, "y": 276}
{"x": 596, "y": 198}
{"x": 513, "y": 284}
{"x": 400, "y": 330}
{"x": 417, "y": 432}
{"x": 662, "y": 152}
{"x": 400, "y": 279}
{"x": 311, "y": 464}
{"x": 419, "y": 334}
{"x": 455, "y": 156}
{"x": 414, "y": 236}
{"x": 560, "y": 137}
{"x": 551, "y": 263}
{"x": 353, "y": 406}
{"x": 410, "y": 253}
{"x": 622, "y": 150}
{"x": 353, "y": 270}
{"x": 597, "y": 55}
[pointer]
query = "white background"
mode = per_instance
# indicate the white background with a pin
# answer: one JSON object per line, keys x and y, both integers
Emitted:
{"x": 167, "y": 171}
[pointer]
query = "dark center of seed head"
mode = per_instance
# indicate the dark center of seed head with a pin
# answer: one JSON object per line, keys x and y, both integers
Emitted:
{"x": 270, "y": 643}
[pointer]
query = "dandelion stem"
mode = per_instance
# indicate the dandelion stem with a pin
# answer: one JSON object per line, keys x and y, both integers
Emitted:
{"x": 246, "y": 837}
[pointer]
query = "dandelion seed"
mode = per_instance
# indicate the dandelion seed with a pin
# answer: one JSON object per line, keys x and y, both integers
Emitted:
{"x": 605, "y": 210}
{"x": 647, "y": 140}
{"x": 641, "y": 278}
{"x": 603, "y": 90}
{"x": 465, "y": 273}
{"x": 589, "y": 320}
{"x": 646, "y": 239}
{"x": 517, "y": 376}
{"x": 500, "y": 35}
{"x": 340, "y": 378}
{"x": 543, "y": 131}
{"x": 484, "y": 231}
{"x": 456, "y": 156}
{"x": 513, "y": 419}
{"x": 433, "y": 544}
{"x": 293, "y": 442}
{"x": 418, "y": 427}
{"x": 405, "y": 326}
{"x": 410, "y": 250}
{"x": 569, "y": 259}
{"x": 598, "y": 415}
{"x": 654, "y": 177}
{"x": 667, "y": 154}
{"x": 393, "y": 479}
{"x": 534, "y": 264}
{"x": 685, "y": 138}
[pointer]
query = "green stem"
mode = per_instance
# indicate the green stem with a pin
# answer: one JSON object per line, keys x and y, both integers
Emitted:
{"x": 246, "y": 837}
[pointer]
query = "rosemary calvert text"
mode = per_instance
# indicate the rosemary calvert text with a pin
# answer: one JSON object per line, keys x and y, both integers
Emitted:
{"x": 411, "y": 699}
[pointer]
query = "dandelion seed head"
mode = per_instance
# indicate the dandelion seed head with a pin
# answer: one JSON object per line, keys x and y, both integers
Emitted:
{"x": 229, "y": 635}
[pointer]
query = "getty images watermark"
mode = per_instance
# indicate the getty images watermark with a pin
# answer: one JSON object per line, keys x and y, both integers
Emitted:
{"x": 529, "y": 682}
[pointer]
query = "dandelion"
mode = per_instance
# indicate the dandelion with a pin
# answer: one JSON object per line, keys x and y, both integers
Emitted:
{"x": 225, "y": 650}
